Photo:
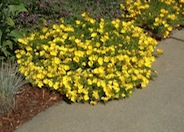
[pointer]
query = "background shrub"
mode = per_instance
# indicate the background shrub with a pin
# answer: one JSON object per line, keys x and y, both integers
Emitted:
{"x": 8, "y": 32}
{"x": 157, "y": 17}
{"x": 47, "y": 12}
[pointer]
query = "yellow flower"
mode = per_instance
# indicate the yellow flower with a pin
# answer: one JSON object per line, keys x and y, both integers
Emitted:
{"x": 78, "y": 22}
{"x": 128, "y": 86}
{"x": 61, "y": 19}
{"x": 134, "y": 59}
{"x": 161, "y": 15}
{"x": 123, "y": 95}
{"x": 172, "y": 16}
{"x": 66, "y": 67}
{"x": 147, "y": 62}
{"x": 181, "y": 1}
{"x": 53, "y": 53}
{"x": 56, "y": 85}
{"x": 40, "y": 84}
{"x": 127, "y": 39}
{"x": 42, "y": 53}
{"x": 90, "y": 63}
{"x": 83, "y": 14}
{"x": 22, "y": 41}
{"x": 89, "y": 51}
{"x": 93, "y": 35}
{"x": 105, "y": 98}
{"x": 76, "y": 59}
{"x": 72, "y": 95}
{"x": 93, "y": 102}
{"x": 95, "y": 80}
{"x": 103, "y": 39}
{"x": 95, "y": 94}
{"x": 77, "y": 41}
{"x": 97, "y": 44}
{"x": 44, "y": 29}
{"x": 79, "y": 53}
{"x": 56, "y": 60}
{"x": 166, "y": 34}
{"x": 145, "y": 82}
{"x": 134, "y": 78}
{"x": 122, "y": 6}
{"x": 50, "y": 83}
{"x": 89, "y": 81}
{"x": 45, "y": 47}
{"x": 65, "y": 36}
{"x": 159, "y": 51}
{"x": 91, "y": 29}
{"x": 169, "y": 28}
{"x": 18, "y": 55}
{"x": 86, "y": 97}
{"x": 42, "y": 36}
{"x": 100, "y": 30}
{"x": 163, "y": 11}
{"x": 100, "y": 61}
{"x": 92, "y": 21}
{"x": 106, "y": 59}
{"x": 116, "y": 86}
{"x": 40, "y": 76}
{"x": 28, "y": 48}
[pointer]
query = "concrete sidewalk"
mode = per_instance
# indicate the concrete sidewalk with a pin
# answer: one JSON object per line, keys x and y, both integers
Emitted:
{"x": 157, "y": 108}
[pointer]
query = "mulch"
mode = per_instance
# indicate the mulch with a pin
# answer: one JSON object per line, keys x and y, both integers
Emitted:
{"x": 29, "y": 101}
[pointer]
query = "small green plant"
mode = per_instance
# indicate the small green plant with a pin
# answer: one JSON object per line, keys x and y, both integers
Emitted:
{"x": 11, "y": 80}
{"x": 8, "y": 32}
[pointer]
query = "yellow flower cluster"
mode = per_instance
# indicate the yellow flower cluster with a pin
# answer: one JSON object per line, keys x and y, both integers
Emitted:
{"x": 159, "y": 16}
{"x": 88, "y": 60}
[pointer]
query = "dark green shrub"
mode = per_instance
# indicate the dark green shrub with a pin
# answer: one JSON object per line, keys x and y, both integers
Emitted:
{"x": 8, "y": 32}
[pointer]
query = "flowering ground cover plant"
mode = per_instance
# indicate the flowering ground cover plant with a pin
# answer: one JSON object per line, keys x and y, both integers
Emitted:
{"x": 88, "y": 61}
{"x": 157, "y": 16}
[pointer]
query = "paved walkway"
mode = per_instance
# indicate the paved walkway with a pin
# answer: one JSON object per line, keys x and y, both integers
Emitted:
{"x": 157, "y": 108}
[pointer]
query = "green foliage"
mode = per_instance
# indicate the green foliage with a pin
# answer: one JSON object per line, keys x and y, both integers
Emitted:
{"x": 47, "y": 12}
{"x": 71, "y": 9}
{"x": 11, "y": 80}
{"x": 107, "y": 9}
{"x": 8, "y": 32}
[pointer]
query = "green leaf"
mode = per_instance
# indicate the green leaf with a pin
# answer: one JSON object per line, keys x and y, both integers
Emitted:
{"x": 16, "y": 34}
{"x": 8, "y": 43}
{"x": 6, "y": 53}
{"x": 16, "y": 9}
{"x": 10, "y": 22}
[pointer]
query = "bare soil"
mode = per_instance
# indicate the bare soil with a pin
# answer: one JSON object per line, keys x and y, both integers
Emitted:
{"x": 29, "y": 102}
